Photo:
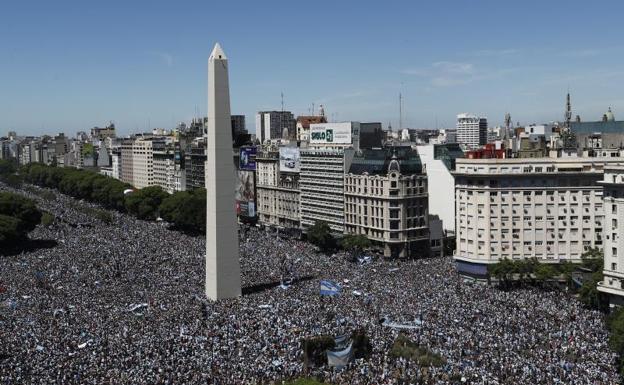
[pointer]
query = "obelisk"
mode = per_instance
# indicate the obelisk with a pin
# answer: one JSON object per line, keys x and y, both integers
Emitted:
{"x": 222, "y": 264}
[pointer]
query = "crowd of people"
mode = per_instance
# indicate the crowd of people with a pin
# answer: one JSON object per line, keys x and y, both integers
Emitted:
{"x": 124, "y": 303}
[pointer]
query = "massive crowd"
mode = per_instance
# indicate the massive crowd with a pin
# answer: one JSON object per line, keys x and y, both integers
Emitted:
{"x": 124, "y": 304}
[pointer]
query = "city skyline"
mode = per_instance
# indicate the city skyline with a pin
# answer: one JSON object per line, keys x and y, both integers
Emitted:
{"x": 71, "y": 66}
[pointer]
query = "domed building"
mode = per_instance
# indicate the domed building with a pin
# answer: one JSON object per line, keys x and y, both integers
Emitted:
{"x": 386, "y": 200}
{"x": 608, "y": 116}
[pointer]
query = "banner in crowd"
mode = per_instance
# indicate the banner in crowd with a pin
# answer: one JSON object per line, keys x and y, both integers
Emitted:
{"x": 416, "y": 324}
{"x": 245, "y": 194}
{"x": 340, "y": 358}
{"x": 247, "y": 158}
{"x": 329, "y": 288}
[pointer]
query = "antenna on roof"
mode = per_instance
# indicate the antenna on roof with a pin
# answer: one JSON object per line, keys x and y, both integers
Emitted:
{"x": 400, "y": 111}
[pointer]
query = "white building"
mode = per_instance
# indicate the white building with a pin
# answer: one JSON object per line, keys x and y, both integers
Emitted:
{"x": 472, "y": 130}
{"x": 547, "y": 208}
{"x": 440, "y": 184}
{"x": 613, "y": 197}
{"x": 545, "y": 130}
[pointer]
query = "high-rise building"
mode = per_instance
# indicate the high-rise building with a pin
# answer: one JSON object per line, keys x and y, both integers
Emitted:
{"x": 194, "y": 164}
{"x": 271, "y": 125}
{"x": 613, "y": 200}
{"x": 223, "y": 278}
{"x": 386, "y": 200}
{"x": 371, "y": 135}
{"x": 322, "y": 186}
{"x": 323, "y": 165}
{"x": 472, "y": 130}
{"x": 545, "y": 208}
{"x": 142, "y": 163}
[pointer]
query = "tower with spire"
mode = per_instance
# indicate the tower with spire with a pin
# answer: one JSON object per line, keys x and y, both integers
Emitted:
{"x": 568, "y": 112}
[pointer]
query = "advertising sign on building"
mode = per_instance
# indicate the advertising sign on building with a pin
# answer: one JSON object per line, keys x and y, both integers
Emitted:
{"x": 247, "y": 159}
{"x": 330, "y": 133}
{"x": 289, "y": 159}
{"x": 245, "y": 194}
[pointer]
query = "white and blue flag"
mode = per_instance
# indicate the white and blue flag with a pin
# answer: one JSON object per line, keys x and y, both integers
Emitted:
{"x": 329, "y": 288}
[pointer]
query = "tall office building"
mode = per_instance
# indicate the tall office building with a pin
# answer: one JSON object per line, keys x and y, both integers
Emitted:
{"x": 472, "y": 130}
{"x": 222, "y": 258}
{"x": 272, "y": 125}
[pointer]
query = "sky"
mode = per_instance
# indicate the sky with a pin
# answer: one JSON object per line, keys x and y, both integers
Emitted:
{"x": 67, "y": 66}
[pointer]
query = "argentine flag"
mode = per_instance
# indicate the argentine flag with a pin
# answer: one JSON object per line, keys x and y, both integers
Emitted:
{"x": 329, "y": 288}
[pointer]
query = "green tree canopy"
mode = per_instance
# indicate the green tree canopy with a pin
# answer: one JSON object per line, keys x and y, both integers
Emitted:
{"x": 320, "y": 235}
{"x": 19, "y": 216}
{"x": 21, "y": 208}
{"x": 186, "y": 210}
{"x": 145, "y": 202}
{"x": 354, "y": 243}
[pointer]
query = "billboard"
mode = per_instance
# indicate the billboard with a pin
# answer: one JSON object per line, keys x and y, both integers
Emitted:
{"x": 247, "y": 158}
{"x": 289, "y": 159}
{"x": 330, "y": 133}
{"x": 245, "y": 194}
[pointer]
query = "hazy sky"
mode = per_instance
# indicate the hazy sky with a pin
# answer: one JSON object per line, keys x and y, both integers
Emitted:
{"x": 71, "y": 65}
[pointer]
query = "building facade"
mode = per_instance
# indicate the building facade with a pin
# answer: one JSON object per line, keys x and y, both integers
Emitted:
{"x": 386, "y": 200}
{"x": 613, "y": 197}
{"x": 277, "y": 192}
{"x": 472, "y": 130}
{"x": 547, "y": 208}
{"x": 322, "y": 186}
{"x": 271, "y": 125}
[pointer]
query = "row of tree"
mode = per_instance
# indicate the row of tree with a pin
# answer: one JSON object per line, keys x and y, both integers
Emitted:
{"x": 320, "y": 235}
{"x": 186, "y": 210}
{"x": 531, "y": 271}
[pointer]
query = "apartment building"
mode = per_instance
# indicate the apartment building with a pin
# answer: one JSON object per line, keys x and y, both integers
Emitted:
{"x": 277, "y": 190}
{"x": 386, "y": 200}
{"x": 613, "y": 200}
{"x": 471, "y": 130}
{"x": 547, "y": 208}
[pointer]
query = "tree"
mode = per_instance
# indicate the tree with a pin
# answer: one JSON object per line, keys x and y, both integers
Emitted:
{"x": 7, "y": 167}
{"x": 503, "y": 271}
{"x": 145, "y": 202}
{"x": 593, "y": 259}
{"x": 545, "y": 272}
{"x": 615, "y": 325}
{"x": 186, "y": 210}
{"x": 355, "y": 243}
{"x": 21, "y": 208}
{"x": 320, "y": 235}
{"x": 18, "y": 216}
{"x": 362, "y": 347}
{"x": 314, "y": 349}
{"x": 9, "y": 230}
{"x": 589, "y": 294}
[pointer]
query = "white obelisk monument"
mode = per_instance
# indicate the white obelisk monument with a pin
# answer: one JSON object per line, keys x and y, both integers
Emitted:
{"x": 222, "y": 264}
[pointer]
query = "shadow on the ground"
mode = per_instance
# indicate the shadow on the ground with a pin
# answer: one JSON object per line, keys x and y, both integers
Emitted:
{"x": 266, "y": 286}
{"x": 28, "y": 246}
